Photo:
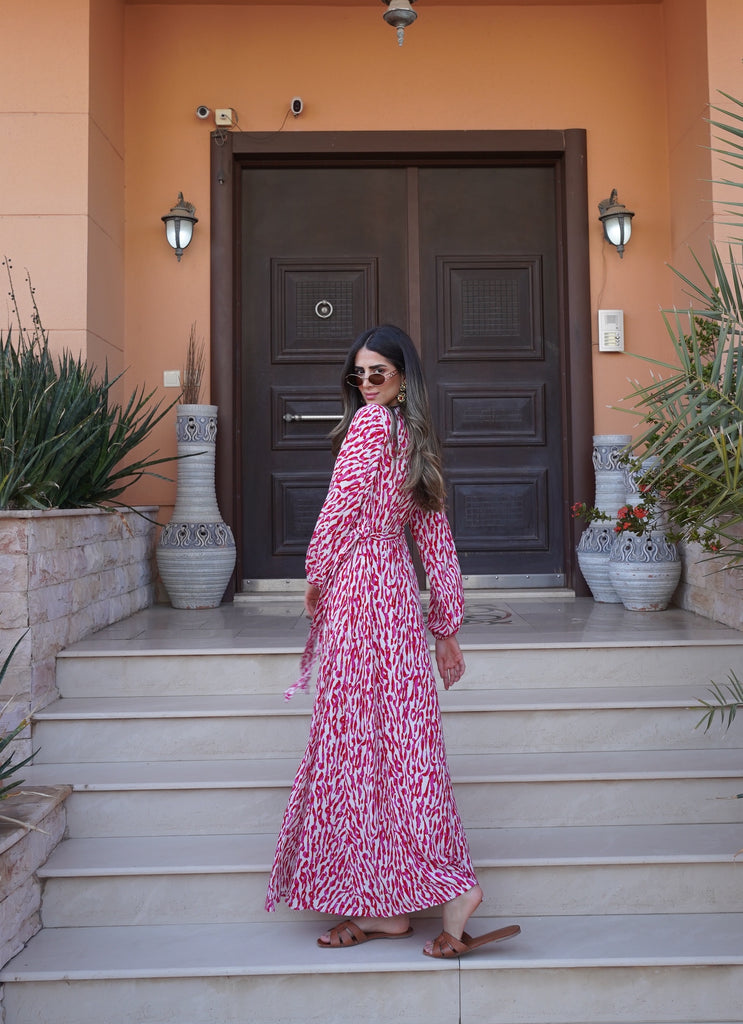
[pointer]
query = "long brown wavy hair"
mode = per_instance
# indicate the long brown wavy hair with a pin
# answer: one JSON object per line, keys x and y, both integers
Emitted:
{"x": 425, "y": 479}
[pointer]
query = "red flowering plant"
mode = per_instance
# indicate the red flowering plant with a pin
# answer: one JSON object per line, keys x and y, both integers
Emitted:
{"x": 641, "y": 517}
{"x": 651, "y": 513}
{"x": 591, "y": 514}
{"x": 633, "y": 519}
{"x": 656, "y": 512}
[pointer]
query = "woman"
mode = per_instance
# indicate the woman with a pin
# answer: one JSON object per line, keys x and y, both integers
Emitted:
{"x": 372, "y": 831}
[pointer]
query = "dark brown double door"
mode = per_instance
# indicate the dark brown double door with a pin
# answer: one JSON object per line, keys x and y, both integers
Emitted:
{"x": 464, "y": 258}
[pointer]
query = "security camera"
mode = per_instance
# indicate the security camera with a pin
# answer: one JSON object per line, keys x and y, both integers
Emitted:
{"x": 203, "y": 112}
{"x": 297, "y": 106}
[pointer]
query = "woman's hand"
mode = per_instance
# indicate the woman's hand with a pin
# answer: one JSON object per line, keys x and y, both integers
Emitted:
{"x": 449, "y": 660}
{"x": 311, "y": 595}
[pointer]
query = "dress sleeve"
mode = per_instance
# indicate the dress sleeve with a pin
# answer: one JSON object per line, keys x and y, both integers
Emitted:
{"x": 433, "y": 537}
{"x": 353, "y": 475}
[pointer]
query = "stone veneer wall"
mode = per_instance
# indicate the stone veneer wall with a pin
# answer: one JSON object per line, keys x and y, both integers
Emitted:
{"x": 22, "y": 852}
{"x": 65, "y": 573}
{"x": 707, "y": 590}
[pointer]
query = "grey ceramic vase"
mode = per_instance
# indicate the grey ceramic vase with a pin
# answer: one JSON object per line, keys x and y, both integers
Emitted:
{"x": 596, "y": 540}
{"x": 196, "y": 552}
{"x": 593, "y": 551}
{"x": 644, "y": 570}
{"x": 610, "y": 471}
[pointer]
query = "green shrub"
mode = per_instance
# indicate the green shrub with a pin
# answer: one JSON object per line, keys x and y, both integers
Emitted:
{"x": 63, "y": 442}
{"x": 7, "y": 768}
{"x": 692, "y": 410}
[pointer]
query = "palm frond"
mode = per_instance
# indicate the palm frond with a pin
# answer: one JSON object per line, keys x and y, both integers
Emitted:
{"x": 724, "y": 701}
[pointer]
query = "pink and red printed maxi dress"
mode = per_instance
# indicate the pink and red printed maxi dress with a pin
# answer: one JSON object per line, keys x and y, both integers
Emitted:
{"x": 372, "y": 827}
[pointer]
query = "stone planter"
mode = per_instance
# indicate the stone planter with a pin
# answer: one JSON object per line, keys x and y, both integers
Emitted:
{"x": 705, "y": 590}
{"x": 644, "y": 570}
{"x": 196, "y": 553}
{"x": 65, "y": 573}
{"x": 22, "y": 852}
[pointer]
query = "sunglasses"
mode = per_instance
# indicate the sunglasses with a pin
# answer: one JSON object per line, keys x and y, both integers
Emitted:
{"x": 357, "y": 379}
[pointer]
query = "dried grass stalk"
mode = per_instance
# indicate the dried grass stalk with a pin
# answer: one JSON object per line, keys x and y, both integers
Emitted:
{"x": 194, "y": 370}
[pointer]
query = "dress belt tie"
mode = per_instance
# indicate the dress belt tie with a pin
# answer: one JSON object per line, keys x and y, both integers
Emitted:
{"x": 310, "y": 654}
{"x": 397, "y": 535}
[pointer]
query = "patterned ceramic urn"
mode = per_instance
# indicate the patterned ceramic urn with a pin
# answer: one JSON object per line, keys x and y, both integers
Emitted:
{"x": 593, "y": 550}
{"x": 596, "y": 540}
{"x": 644, "y": 570}
{"x": 196, "y": 552}
{"x": 610, "y": 471}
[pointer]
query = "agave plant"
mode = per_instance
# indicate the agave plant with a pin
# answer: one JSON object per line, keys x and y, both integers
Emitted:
{"x": 7, "y": 767}
{"x": 63, "y": 442}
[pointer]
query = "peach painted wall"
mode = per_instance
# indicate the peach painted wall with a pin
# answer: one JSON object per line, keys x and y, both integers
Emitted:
{"x": 62, "y": 173}
{"x": 688, "y": 137}
{"x": 98, "y": 144}
{"x": 725, "y": 49}
{"x": 105, "y": 238}
{"x": 461, "y": 67}
{"x": 43, "y": 172}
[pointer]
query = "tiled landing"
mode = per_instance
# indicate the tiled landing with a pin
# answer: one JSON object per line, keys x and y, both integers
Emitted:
{"x": 269, "y": 622}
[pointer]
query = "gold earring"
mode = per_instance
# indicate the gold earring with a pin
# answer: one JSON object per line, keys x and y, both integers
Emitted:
{"x": 402, "y": 394}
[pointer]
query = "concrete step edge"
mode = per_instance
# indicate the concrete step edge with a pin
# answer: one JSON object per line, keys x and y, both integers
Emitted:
{"x": 497, "y": 847}
{"x": 277, "y": 948}
{"x": 578, "y": 766}
{"x": 462, "y": 701}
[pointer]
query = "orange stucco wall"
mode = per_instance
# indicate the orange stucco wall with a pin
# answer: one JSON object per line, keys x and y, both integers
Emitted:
{"x": 103, "y": 135}
{"x": 725, "y": 59}
{"x": 462, "y": 67}
{"x": 43, "y": 173}
{"x": 62, "y": 172}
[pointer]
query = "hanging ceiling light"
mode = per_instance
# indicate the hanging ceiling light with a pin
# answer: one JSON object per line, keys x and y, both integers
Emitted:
{"x": 617, "y": 221}
{"x": 400, "y": 15}
{"x": 179, "y": 225}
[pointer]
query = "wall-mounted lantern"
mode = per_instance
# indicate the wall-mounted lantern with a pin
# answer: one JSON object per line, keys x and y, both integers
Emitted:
{"x": 179, "y": 225}
{"x": 617, "y": 221}
{"x": 400, "y": 15}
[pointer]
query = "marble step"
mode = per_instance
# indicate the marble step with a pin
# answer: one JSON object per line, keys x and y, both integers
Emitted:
{"x": 179, "y": 664}
{"x": 161, "y": 728}
{"x": 524, "y": 872}
{"x": 583, "y": 970}
{"x": 185, "y": 797}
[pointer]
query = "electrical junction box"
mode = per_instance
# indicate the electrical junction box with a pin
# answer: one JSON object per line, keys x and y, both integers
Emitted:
{"x": 224, "y": 117}
{"x": 611, "y": 330}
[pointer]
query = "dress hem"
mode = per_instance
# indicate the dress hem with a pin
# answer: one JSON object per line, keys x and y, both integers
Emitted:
{"x": 372, "y": 910}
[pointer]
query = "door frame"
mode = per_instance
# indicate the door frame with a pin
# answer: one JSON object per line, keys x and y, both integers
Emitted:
{"x": 566, "y": 151}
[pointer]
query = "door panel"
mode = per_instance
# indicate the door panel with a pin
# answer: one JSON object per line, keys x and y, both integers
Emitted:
{"x": 323, "y": 258}
{"x": 491, "y": 350}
